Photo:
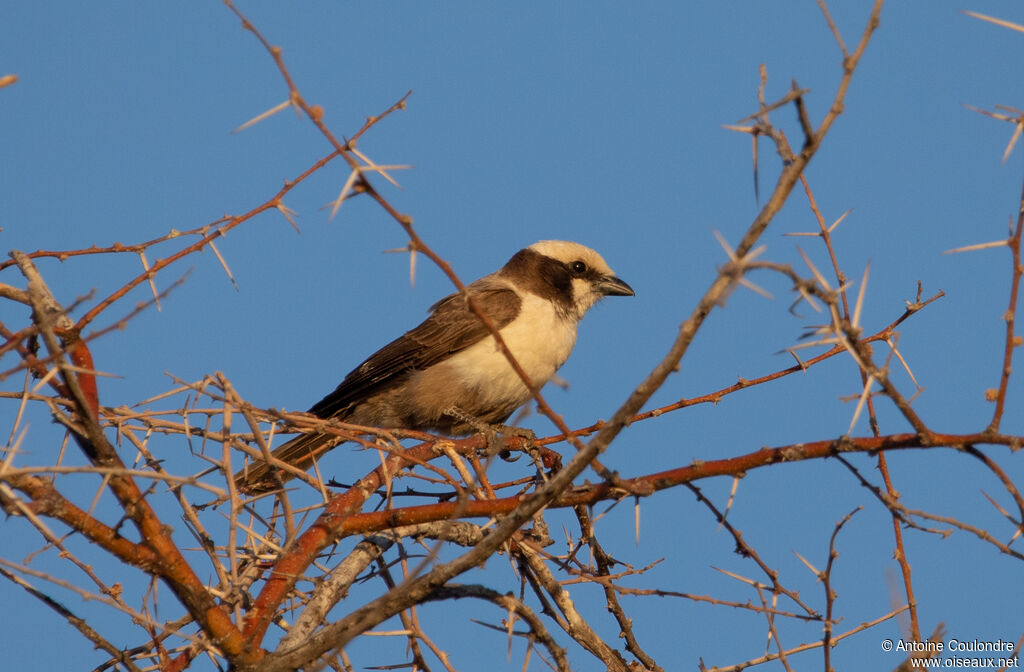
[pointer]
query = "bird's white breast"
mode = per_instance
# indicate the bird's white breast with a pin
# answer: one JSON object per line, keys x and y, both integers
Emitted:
{"x": 539, "y": 338}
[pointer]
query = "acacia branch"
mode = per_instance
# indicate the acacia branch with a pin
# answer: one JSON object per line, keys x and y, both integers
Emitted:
{"x": 169, "y": 563}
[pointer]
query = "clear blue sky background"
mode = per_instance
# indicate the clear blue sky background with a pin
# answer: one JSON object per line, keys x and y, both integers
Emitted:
{"x": 597, "y": 122}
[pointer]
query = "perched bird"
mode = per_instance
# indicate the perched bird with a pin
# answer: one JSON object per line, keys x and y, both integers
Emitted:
{"x": 448, "y": 374}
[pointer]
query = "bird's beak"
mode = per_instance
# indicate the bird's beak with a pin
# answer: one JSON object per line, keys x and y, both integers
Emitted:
{"x": 612, "y": 286}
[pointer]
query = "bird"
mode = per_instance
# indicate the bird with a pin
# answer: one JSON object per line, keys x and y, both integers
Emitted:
{"x": 448, "y": 375}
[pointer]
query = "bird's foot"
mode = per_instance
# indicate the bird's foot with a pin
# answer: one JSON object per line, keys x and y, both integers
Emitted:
{"x": 504, "y": 440}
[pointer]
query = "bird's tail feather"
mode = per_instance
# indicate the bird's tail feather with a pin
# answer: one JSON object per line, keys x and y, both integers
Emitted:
{"x": 260, "y": 476}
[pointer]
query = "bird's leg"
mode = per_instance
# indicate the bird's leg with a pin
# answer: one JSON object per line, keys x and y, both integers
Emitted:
{"x": 493, "y": 434}
{"x": 539, "y": 532}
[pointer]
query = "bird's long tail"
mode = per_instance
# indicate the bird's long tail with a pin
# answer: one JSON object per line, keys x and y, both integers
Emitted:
{"x": 259, "y": 476}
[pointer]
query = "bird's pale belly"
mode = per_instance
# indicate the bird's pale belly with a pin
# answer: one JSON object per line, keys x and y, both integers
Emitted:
{"x": 479, "y": 382}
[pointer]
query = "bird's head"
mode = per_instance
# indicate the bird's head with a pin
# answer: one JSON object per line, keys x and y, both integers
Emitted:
{"x": 571, "y": 275}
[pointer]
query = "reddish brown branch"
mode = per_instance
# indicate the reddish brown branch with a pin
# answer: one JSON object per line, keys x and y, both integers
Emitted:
{"x": 323, "y": 532}
{"x": 900, "y": 553}
{"x": 1011, "y": 341}
{"x": 211, "y": 232}
{"x": 168, "y": 564}
{"x": 830, "y": 595}
{"x": 362, "y": 523}
{"x": 45, "y": 499}
{"x": 81, "y": 357}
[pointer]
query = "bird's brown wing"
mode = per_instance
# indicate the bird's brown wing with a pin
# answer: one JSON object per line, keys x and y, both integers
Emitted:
{"x": 451, "y": 327}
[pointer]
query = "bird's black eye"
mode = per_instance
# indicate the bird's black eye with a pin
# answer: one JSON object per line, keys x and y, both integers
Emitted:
{"x": 578, "y": 267}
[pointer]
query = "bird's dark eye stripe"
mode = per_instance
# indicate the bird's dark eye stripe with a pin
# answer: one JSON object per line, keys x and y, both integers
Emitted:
{"x": 578, "y": 266}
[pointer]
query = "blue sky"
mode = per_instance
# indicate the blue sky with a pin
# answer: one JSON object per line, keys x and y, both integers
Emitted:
{"x": 596, "y": 122}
